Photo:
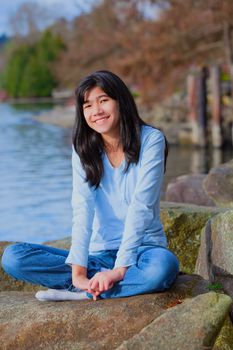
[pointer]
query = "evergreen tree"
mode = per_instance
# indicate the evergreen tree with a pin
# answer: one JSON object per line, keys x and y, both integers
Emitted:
{"x": 29, "y": 71}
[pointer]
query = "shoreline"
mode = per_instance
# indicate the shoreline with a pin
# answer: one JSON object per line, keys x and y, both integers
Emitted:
{"x": 33, "y": 100}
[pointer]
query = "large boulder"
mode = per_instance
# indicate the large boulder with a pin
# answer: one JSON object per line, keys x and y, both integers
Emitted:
{"x": 215, "y": 263}
{"x": 188, "y": 189}
{"x": 225, "y": 337}
{"x": 26, "y": 323}
{"x": 193, "y": 325}
{"x": 218, "y": 184}
{"x": 215, "y": 258}
{"x": 213, "y": 189}
{"x": 183, "y": 225}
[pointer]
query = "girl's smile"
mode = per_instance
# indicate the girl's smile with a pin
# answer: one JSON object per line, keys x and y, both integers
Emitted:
{"x": 101, "y": 120}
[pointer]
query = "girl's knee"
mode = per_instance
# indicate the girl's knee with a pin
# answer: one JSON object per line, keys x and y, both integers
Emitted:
{"x": 11, "y": 261}
{"x": 165, "y": 280}
{"x": 162, "y": 277}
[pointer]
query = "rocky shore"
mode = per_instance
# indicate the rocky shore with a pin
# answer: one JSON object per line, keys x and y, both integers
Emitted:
{"x": 60, "y": 116}
{"x": 193, "y": 314}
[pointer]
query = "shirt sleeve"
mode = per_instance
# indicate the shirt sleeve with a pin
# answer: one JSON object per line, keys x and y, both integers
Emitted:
{"x": 83, "y": 205}
{"x": 146, "y": 197}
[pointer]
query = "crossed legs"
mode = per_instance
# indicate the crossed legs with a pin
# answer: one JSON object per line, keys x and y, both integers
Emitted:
{"x": 156, "y": 268}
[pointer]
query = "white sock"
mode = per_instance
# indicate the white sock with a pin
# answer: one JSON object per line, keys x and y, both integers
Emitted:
{"x": 60, "y": 295}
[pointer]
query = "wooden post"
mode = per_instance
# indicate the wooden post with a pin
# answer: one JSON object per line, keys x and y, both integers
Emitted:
{"x": 192, "y": 106}
{"x": 202, "y": 107}
{"x": 228, "y": 45}
{"x": 216, "y": 157}
{"x": 216, "y": 106}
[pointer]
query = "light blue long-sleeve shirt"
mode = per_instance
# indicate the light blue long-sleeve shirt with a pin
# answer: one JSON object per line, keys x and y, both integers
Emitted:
{"x": 123, "y": 212}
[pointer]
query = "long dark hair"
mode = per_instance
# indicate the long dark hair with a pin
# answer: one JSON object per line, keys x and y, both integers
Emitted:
{"x": 88, "y": 143}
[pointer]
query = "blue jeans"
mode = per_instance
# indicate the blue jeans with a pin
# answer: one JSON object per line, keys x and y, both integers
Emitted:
{"x": 156, "y": 268}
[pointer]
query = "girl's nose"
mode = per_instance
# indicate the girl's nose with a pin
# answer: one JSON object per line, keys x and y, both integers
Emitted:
{"x": 97, "y": 109}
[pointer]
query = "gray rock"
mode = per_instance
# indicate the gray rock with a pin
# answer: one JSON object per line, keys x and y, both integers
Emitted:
{"x": 26, "y": 323}
{"x": 193, "y": 325}
{"x": 225, "y": 337}
{"x": 215, "y": 257}
{"x": 218, "y": 184}
{"x": 188, "y": 189}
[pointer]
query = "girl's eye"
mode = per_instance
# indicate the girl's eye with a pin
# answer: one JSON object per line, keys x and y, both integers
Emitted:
{"x": 86, "y": 106}
{"x": 104, "y": 100}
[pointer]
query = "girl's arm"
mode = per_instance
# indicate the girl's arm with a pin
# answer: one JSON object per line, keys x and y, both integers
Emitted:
{"x": 145, "y": 199}
{"x": 79, "y": 277}
{"x": 83, "y": 204}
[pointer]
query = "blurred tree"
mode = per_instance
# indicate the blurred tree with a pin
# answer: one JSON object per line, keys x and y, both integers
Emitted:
{"x": 29, "y": 71}
{"x": 15, "y": 71}
{"x": 38, "y": 80}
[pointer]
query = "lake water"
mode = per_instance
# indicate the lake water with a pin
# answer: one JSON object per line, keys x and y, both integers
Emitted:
{"x": 35, "y": 173}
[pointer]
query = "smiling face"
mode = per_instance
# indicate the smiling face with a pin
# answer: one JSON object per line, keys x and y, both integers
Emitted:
{"x": 101, "y": 113}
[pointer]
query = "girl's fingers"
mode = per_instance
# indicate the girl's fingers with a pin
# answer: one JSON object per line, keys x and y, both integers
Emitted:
{"x": 91, "y": 280}
{"x": 101, "y": 285}
{"x": 95, "y": 295}
{"x": 95, "y": 284}
{"x": 106, "y": 285}
{"x": 90, "y": 291}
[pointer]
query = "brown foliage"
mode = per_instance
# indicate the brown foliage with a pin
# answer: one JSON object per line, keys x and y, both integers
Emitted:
{"x": 153, "y": 56}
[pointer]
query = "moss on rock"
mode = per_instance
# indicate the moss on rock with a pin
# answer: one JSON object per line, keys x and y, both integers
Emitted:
{"x": 183, "y": 225}
{"x": 225, "y": 337}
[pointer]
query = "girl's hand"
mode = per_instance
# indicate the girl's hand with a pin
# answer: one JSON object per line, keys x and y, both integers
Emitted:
{"x": 103, "y": 281}
{"x": 80, "y": 280}
{"x": 83, "y": 283}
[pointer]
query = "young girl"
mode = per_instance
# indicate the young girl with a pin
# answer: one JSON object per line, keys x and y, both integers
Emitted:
{"x": 118, "y": 245}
